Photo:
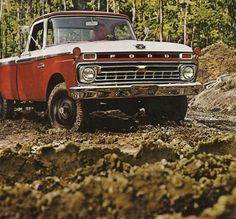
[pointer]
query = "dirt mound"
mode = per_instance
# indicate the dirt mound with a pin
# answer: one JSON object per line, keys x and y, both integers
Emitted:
{"x": 217, "y": 59}
{"x": 216, "y": 100}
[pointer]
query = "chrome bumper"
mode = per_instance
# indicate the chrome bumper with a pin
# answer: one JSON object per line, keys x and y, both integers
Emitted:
{"x": 129, "y": 91}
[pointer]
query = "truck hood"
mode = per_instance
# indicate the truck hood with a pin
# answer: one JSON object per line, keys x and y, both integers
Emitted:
{"x": 120, "y": 46}
{"x": 126, "y": 46}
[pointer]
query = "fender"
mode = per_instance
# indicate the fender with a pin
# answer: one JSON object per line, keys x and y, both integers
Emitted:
{"x": 58, "y": 69}
{"x": 8, "y": 79}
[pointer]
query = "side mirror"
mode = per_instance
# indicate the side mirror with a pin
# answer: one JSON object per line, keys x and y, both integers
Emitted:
{"x": 25, "y": 30}
{"x": 146, "y": 32}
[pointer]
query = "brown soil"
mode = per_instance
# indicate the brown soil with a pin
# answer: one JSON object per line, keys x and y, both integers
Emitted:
{"x": 167, "y": 170}
{"x": 217, "y": 59}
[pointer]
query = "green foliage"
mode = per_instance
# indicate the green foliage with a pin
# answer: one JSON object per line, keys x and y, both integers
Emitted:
{"x": 205, "y": 21}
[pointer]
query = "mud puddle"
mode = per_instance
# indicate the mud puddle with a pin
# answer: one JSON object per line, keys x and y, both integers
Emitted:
{"x": 221, "y": 122}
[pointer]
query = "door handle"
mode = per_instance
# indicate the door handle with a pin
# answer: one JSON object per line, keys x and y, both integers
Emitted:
{"x": 41, "y": 65}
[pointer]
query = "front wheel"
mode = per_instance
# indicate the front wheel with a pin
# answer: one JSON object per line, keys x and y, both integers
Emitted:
{"x": 6, "y": 108}
{"x": 61, "y": 108}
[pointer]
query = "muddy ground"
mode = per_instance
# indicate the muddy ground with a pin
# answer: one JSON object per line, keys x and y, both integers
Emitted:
{"x": 121, "y": 168}
{"x": 125, "y": 167}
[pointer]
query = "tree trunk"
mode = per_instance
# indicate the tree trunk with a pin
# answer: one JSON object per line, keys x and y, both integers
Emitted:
{"x": 99, "y": 5}
{"x": 232, "y": 14}
{"x": 114, "y": 6}
{"x": 185, "y": 24}
{"x": 1, "y": 2}
{"x": 6, "y": 42}
{"x": 40, "y": 7}
{"x": 133, "y": 11}
{"x": 64, "y": 3}
{"x": 18, "y": 30}
{"x": 161, "y": 20}
{"x": 193, "y": 36}
{"x": 1, "y": 6}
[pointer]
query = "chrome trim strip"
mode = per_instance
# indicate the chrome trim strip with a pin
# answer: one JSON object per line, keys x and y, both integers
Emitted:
{"x": 135, "y": 61}
{"x": 130, "y": 91}
{"x": 8, "y": 63}
{"x": 147, "y": 72}
{"x": 114, "y": 66}
{"x": 30, "y": 59}
{"x": 124, "y": 83}
{"x": 91, "y": 87}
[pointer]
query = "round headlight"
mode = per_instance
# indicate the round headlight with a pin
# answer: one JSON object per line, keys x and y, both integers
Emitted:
{"x": 187, "y": 72}
{"x": 88, "y": 74}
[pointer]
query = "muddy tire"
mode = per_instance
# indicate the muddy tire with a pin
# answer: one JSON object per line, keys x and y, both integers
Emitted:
{"x": 82, "y": 117}
{"x": 6, "y": 108}
{"x": 61, "y": 108}
{"x": 167, "y": 108}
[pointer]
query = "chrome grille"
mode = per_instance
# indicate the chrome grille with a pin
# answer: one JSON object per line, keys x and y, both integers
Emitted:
{"x": 127, "y": 73}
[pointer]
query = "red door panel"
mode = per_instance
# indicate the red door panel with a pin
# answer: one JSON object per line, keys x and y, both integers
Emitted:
{"x": 29, "y": 77}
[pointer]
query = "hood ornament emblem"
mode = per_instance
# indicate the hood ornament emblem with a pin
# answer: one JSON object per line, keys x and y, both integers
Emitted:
{"x": 140, "y": 46}
{"x": 142, "y": 69}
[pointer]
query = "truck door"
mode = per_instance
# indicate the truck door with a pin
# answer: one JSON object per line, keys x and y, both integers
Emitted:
{"x": 31, "y": 66}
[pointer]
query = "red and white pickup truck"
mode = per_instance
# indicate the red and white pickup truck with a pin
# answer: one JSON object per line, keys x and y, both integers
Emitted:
{"x": 78, "y": 62}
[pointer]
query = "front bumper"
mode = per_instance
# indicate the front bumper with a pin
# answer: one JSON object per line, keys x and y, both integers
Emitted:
{"x": 129, "y": 91}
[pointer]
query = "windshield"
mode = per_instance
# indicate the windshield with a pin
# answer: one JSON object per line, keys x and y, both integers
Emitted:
{"x": 73, "y": 29}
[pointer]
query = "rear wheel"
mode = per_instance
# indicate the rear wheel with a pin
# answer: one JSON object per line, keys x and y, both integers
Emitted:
{"x": 6, "y": 108}
{"x": 167, "y": 108}
{"x": 61, "y": 108}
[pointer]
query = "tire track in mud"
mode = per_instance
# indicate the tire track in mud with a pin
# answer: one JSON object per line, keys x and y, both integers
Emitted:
{"x": 218, "y": 121}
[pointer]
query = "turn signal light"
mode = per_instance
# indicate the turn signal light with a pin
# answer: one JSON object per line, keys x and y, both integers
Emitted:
{"x": 186, "y": 56}
{"x": 89, "y": 56}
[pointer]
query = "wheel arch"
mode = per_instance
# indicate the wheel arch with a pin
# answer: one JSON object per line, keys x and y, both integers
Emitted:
{"x": 55, "y": 79}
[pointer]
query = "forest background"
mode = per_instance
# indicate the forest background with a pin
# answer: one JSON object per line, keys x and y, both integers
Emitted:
{"x": 192, "y": 22}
